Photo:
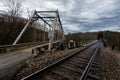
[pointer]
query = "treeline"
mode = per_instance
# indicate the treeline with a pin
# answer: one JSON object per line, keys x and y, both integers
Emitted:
{"x": 10, "y": 27}
{"x": 111, "y": 38}
{"x": 84, "y": 37}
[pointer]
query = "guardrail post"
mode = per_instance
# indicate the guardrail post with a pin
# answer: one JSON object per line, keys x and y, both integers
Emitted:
{"x": 34, "y": 52}
{"x": 50, "y": 45}
{"x": 68, "y": 44}
{"x": 74, "y": 44}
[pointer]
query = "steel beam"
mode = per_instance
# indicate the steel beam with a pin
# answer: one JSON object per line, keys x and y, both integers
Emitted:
{"x": 46, "y": 11}
{"x": 44, "y": 20}
{"x": 45, "y": 17}
{"x": 23, "y": 30}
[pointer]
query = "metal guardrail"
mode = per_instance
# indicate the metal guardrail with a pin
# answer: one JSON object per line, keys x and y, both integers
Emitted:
{"x": 3, "y": 48}
{"x": 23, "y": 44}
{"x": 17, "y": 45}
{"x": 90, "y": 43}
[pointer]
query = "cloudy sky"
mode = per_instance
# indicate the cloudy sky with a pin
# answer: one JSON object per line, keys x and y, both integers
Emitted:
{"x": 80, "y": 15}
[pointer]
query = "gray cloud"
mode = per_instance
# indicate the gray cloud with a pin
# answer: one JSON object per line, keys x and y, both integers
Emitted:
{"x": 80, "y": 15}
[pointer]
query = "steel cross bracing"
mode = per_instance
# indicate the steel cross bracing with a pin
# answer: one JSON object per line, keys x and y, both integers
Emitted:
{"x": 51, "y": 19}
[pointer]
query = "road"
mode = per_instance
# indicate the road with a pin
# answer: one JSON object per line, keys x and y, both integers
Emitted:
{"x": 11, "y": 62}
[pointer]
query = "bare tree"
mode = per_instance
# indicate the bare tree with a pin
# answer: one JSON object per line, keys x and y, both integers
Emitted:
{"x": 13, "y": 8}
{"x": 13, "y": 12}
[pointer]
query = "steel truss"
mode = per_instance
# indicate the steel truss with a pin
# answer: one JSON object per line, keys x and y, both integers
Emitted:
{"x": 50, "y": 18}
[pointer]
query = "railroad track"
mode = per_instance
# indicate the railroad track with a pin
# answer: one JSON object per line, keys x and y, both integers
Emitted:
{"x": 81, "y": 65}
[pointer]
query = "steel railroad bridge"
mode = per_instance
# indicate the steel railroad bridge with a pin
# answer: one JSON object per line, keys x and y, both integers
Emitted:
{"x": 45, "y": 19}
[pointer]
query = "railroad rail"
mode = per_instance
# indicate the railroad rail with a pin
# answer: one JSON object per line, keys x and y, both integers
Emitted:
{"x": 72, "y": 60}
{"x": 86, "y": 71}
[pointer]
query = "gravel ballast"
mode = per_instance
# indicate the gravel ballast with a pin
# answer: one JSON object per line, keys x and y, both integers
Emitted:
{"x": 110, "y": 64}
{"x": 44, "y": 59}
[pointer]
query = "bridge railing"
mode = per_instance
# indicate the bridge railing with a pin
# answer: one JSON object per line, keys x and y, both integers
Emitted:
{"x": 7, "y": 48}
